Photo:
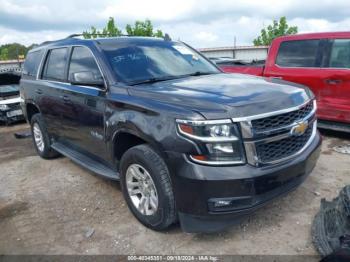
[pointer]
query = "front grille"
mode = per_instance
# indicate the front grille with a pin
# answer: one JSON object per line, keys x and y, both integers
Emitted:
{"x": 283, "y": 120}
{"x": 14, "y": 106}
{"x": 9, "y": 97}
{"x": 269, "y": 152}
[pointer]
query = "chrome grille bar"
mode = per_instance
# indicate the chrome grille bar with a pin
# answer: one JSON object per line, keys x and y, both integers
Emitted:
{"x": 251, "y": 138}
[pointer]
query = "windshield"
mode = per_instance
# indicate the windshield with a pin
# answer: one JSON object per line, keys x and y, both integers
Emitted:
{"x": 151, "y": 60}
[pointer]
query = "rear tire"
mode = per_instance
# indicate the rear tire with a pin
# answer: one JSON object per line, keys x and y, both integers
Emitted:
{"x": 41, "y": 138}
{"x": 147, "y": 189}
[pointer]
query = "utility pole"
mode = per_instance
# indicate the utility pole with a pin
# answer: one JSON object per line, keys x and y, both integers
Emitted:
{"x": 234, "y": 47}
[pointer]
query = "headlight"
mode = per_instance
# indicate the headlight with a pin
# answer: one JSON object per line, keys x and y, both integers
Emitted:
{"x": 4, "y": 107}
{"x": 218, "y": 139}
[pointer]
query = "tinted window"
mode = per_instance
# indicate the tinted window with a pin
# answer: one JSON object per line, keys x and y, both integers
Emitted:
{"x": 82, "y": 61}
{"x": 138, "y": 61}
{"x": 340, "y": 54}
{"x": 32, "y": 63}
{"x": 301, "y": 53}
{"x": 56, "y": 64}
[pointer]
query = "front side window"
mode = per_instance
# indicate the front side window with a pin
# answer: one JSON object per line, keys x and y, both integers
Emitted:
{"x": 300, "y": 53}
{"x": 134, "y": 62}
{"x": 82, "y": 60}
{"x": 56, "y": 64}
{"x": 340, "y": 54}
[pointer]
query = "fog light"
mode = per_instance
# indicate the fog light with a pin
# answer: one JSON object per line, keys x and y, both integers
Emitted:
{"x": 222, "y": 203}
{"x": 230, "y": 203}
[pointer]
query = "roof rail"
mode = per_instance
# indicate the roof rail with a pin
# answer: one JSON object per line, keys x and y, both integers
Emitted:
{"x": 68, "y": 37}
{"x": 166, "y": 36}
{"x": 101, "y": 34}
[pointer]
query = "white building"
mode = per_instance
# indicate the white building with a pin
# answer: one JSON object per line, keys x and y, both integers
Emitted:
{"x": 238, "y": 52}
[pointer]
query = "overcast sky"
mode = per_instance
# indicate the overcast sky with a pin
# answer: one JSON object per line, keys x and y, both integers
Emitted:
{"x": 200, "y": 23}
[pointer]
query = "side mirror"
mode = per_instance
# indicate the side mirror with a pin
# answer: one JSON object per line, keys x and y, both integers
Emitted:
{"x": 86, "y": 78}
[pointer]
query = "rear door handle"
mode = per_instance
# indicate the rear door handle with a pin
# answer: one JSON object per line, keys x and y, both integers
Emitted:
{"x": 65, "y": 98}
{"x": 333, "y": 81}
{"x": 39, "y": 91}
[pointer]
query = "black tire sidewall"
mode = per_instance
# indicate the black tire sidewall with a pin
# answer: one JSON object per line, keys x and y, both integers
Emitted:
{"x": 47, "y": 152}
{"x": 163, "y": 216}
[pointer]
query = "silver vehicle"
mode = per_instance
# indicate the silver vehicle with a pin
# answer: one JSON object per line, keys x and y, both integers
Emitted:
{"x": 10, "y": 110}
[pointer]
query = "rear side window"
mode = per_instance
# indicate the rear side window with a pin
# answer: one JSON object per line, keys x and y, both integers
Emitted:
{"x": 82, "y": 60}
{"x": 32, "y": 63}
{"x": 340, "y": 54}
{"x": 56, "y": 64}
{"x": 301, "y": 53}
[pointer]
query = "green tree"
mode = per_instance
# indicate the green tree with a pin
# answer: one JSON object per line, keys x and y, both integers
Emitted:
{"x": 12, "y": 51}
{"x": 4, "y": 53}
{"x": 109, "y": 30}
{"x": 140, "y": 28}
{"x": 275, "y": 30}
{"x": 143, "y": 28}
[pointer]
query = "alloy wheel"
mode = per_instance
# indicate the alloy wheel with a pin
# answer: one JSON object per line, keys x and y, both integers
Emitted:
{"x": 38, "y": 137}
{"x": 142, "y": 190}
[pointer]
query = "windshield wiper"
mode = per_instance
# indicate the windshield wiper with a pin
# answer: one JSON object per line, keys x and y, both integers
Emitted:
{"x": 166, "y": 78}
{"x": 199, "y": 73}
{"x": 153, "y": 80}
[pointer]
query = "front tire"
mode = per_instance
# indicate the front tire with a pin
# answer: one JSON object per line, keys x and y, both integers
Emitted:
{"x": 41, "y": 138}
{"x": 146, "y": 186}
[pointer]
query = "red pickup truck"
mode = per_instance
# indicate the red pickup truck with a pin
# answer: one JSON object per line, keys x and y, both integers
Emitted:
{"x": 320, "y": 61}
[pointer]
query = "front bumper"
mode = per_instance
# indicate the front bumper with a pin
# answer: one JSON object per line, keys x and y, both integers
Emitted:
{"x": 11, "y": 115}
{"x": 249, "y": 188}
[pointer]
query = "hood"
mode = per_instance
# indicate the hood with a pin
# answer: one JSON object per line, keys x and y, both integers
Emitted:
{"x": 10, "y": 101}
{"x": 226, "y": 95}
{"x": 8, "y": 90}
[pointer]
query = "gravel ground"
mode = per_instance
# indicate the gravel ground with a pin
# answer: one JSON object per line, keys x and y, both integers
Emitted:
{"x": 57, "y": 207}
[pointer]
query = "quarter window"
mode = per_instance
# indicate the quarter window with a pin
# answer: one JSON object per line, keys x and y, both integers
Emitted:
{"x": 83, "y": 61}
{"x": 56, "y": 64}
{"x": 340, "y": 54}
{"x": 32, "y": 63}
{"x": 301, "y": 53}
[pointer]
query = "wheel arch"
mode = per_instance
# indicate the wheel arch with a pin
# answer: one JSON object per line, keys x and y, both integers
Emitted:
{"x": 125, "y": 138}
{"x": 31, "y": 109}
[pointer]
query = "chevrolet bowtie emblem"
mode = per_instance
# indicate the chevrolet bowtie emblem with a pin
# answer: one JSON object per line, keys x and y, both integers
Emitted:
{"x": 299, "y": 129}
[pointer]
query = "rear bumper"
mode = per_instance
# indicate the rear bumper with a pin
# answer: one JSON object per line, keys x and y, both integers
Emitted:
{"x": 247, "y": 188}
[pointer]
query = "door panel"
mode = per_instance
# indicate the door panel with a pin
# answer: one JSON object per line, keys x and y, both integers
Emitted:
{"x": 83, "y": 119}
{"x": 48, "y": 89}
{"x": 84, "y": 107}
{"x": 51, "y": 105}
{"x": 335, "y": 73}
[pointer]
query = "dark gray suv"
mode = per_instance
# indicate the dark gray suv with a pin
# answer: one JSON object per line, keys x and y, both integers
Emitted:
{"x": 186, "y": 141}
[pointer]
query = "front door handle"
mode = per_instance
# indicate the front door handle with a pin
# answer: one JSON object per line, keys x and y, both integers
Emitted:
{"x": 39, "y": 91}
{"x": 333, "y": 81}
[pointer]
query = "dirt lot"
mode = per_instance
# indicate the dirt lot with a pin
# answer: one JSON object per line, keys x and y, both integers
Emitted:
{"x": 57, "y": 207}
